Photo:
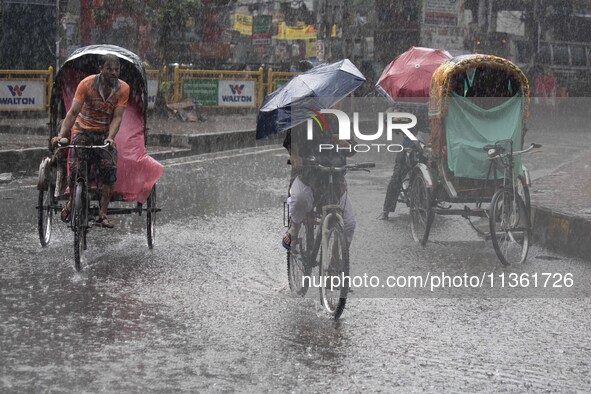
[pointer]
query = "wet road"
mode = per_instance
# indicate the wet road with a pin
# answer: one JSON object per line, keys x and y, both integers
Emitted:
{"x": 209, "y": 308}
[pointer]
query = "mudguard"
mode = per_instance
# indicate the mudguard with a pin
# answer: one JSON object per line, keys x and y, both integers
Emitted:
{"x": 44, "y": 174}
{"x": 424, "y": 170}
{"x": 526, "y": 175}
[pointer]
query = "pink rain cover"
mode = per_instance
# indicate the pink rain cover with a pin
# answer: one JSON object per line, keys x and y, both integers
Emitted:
{"x": 136, "y": 171}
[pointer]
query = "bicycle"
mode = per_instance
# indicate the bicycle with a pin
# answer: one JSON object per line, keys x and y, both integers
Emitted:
{"x": 81, "y": 202}
{"x": 509, "y": 216}
{"x": 321, "y": 243}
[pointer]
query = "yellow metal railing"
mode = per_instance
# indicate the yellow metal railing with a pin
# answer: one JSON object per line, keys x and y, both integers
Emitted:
{"x": 277, "y": 78}
{"x": 240, "y": 89}
{"x": 14, "y": 95}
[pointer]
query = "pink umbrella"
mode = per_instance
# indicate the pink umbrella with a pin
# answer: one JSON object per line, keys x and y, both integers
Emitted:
{"x": 409, "y": 75}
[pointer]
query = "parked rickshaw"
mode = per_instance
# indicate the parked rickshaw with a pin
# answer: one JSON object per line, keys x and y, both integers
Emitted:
{"x": 137, "y": 172}
{"x": 478, "y": 110}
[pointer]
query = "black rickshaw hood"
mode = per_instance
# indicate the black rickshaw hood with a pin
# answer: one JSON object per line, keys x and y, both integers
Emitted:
{"x": 87, "y": 60}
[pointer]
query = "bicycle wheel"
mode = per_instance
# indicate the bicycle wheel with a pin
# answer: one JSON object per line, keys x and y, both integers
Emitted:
{"x": 299, "y": 260}
{"x": 421, "y": 212}
{"x": 79, "y": 224}
{"x": 45, "y": 214}
{"x": 334, "y": 271}
{"x": 509, "y": 227}
{"x": 151, "y": 218}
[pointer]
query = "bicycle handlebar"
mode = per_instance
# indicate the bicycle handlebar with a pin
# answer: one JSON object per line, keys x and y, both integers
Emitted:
{"x": 350, "y": 167}
{"x": 491, "y": 150}
{"x": 61, "y": 146}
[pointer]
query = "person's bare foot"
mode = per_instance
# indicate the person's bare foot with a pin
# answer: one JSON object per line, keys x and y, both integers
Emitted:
{"x": 104, "y": 221}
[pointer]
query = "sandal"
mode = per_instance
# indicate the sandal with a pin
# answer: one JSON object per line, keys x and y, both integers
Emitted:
{"x": 104, "y": 221}
{"x": 286, "y": 241}
{"x": 66, "y": 212}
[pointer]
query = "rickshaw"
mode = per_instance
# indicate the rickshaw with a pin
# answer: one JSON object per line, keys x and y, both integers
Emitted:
{"x": 478, "y": 109}
{"x": 137, "y": 173}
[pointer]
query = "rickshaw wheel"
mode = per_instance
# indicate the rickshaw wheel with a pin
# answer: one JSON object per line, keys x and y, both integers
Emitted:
{"x": 45, "y": 214}
{"x": 151, "y": 217}
{"x": 510, "y": 227}
{"x": 79, "y": 212}
{"x": 421, "y": 212}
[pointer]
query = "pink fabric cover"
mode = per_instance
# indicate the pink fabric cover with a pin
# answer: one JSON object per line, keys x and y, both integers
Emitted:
{"x": 136, "y": 171}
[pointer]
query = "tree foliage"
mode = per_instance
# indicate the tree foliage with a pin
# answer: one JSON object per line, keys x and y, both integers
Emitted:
{"x": 169, "y": 18}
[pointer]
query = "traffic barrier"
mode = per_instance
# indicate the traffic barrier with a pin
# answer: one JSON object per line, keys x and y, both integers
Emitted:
{"x": 30, "y": 90}
{"x": 220, "y": 88}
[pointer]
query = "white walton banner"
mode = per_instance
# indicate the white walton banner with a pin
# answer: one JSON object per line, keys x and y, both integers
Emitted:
{"x": 22, "y": 94}
{"x": 236, "y": 93}
{"x": 152, "y": 92}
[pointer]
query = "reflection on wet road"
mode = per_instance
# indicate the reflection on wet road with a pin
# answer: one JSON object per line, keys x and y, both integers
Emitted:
{"x": 209, "y": 307}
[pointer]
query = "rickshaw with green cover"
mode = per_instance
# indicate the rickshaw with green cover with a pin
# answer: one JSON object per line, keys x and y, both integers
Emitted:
{"x": 478, "y": 110}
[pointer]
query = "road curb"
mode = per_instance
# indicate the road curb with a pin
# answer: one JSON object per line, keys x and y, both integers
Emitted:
{"x": 23, "y": 160}
{"x": 23, "y": 130}
{"x": 567, "y": 234}
{"x": 181, "y": 140}
{"x": 27, "y": 160}
{"x": 215, "y": 142}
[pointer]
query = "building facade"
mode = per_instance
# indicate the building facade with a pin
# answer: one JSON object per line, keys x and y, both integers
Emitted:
{"x": 249, "y": 33}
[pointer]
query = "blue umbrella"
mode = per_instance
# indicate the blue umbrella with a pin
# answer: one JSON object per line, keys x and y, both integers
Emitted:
{"x": 316, "y": 89}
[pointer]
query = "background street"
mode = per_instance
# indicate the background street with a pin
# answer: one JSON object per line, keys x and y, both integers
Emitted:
{"x": 210, "y": 309}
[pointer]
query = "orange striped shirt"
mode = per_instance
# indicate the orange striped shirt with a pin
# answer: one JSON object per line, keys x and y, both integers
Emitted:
{"x": 97, "y": 111}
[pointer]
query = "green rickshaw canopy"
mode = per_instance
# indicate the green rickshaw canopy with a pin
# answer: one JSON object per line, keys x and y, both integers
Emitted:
{"x": 470, "y": 127}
